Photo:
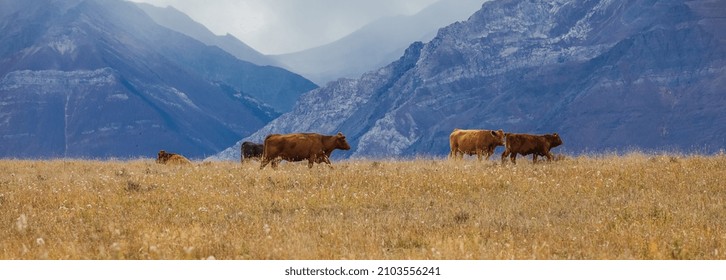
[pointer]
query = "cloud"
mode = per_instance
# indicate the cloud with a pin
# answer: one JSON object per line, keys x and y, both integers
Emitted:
{"x": 282, "y": 26}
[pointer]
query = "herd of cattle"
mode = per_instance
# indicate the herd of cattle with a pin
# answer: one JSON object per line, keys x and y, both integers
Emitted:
{"x": 317, "y": 148}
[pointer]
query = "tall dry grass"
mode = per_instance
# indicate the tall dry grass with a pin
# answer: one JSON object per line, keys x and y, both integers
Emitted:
{"x": 598, "y": 207}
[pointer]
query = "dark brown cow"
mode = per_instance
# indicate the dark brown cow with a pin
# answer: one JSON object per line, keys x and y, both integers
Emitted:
{"x": 170, "y": 158}
{"x": 250, "y": 150}
{"x": 301, "y": 146}
{"x": 525, "y": 144}
{"x": 474, "y": 142}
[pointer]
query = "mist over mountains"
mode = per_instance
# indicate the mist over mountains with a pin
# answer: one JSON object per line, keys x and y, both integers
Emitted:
{"x": 174, "y": 19}
{"x": 376, "y": 44}
{"x": 100, "y": 78}
{"x": 606, "y": 75}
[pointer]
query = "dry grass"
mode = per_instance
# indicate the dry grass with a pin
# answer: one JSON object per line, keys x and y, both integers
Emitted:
{"x": 599, "y": 207}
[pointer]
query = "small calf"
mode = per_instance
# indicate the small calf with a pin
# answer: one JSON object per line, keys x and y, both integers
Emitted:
{"x": 172, "y": 159}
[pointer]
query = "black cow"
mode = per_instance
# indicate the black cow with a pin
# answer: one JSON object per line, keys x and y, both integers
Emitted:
{"x": 250, "y": 150}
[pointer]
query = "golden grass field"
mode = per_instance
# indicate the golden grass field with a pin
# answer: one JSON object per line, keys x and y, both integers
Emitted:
{"x": 635, "y": 206}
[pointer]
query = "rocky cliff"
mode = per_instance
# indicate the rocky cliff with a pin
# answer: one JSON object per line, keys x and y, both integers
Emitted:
{"x": 100, "y": 79}
{"x": 606, "y": 75}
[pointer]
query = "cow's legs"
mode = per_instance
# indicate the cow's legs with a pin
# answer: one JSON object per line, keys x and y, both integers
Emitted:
{"x": 326, "y": 159}
{"x": 549, "y": 156}
{"x": 505, "y": 154}
{"x": 264, "y": 163}
{"x": 456, "y": 154}
{"x": 534, "y": 158}
{"x": 513, "y": 157}
{"x": 275, "y": 162}
{"x": 311, "y": 160}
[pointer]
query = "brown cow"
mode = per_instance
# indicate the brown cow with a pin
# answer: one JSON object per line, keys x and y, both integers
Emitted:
{"x": 474, "y": 142}
{"x": 170, "y": 158}
{"x": 301, "y": 146}
{"x": 250, "y": 150}
{"x": 525, "y": 144}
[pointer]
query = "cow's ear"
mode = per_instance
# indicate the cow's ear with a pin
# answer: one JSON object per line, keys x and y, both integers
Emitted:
{"x": 494, "y": 133}
{"x": 555, "y": 134}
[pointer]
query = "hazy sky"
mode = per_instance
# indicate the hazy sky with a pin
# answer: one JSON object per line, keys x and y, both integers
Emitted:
{"x": 283, "y": 26}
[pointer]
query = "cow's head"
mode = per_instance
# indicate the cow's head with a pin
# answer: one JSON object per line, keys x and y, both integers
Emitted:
{"x": 161, "y": 156}
{"x": 340, "y": 142}
{"x": 498, "y": 136}
{"x": 555, "y": 140}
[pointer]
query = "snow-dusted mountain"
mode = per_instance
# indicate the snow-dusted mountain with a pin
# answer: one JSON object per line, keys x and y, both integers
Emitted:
{"x": 99, "y": 78}
{"x": 606, "y": 75}
{"x": 376, "y": 44}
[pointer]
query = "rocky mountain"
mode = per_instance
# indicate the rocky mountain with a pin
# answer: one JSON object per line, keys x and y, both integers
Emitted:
{"x": 376, "y": 44}
{"x": 606, "y": 75}
{"x": 99, "y": 79}
{"x": 174, "y": 19}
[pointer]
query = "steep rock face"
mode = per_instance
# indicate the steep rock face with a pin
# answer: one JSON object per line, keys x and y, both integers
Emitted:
{"x": 606, "y": 75}
{"x": 349, "y": 103}
{"x": 100, "y": 79}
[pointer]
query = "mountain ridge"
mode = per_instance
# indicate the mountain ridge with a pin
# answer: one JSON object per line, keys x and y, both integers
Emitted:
{"x": 101, "y": 79}
{"x": 375, "y": 44}
{"x": 606, "y": 75}
{"x": 176, "y": 20}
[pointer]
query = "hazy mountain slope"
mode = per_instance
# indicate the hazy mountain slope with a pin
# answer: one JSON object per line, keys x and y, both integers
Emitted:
{"x": 607, "y": 75}
{"x": 99, "y": 78}
{"x": 375, "y": 44}
{"x": 173, "y": 19}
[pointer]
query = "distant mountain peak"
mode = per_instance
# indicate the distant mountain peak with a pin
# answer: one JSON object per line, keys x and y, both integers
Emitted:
{"x": 176, "y": 20}
{"x": 376, "y": 44}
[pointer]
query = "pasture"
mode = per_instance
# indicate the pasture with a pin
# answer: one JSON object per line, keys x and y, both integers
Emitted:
{"x": 635, "y": 206}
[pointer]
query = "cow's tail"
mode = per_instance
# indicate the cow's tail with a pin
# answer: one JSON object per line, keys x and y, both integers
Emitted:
{"x": 265, "y": 147}
{"x": 264, "y": 161}
{"x": 453, "y": 147}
